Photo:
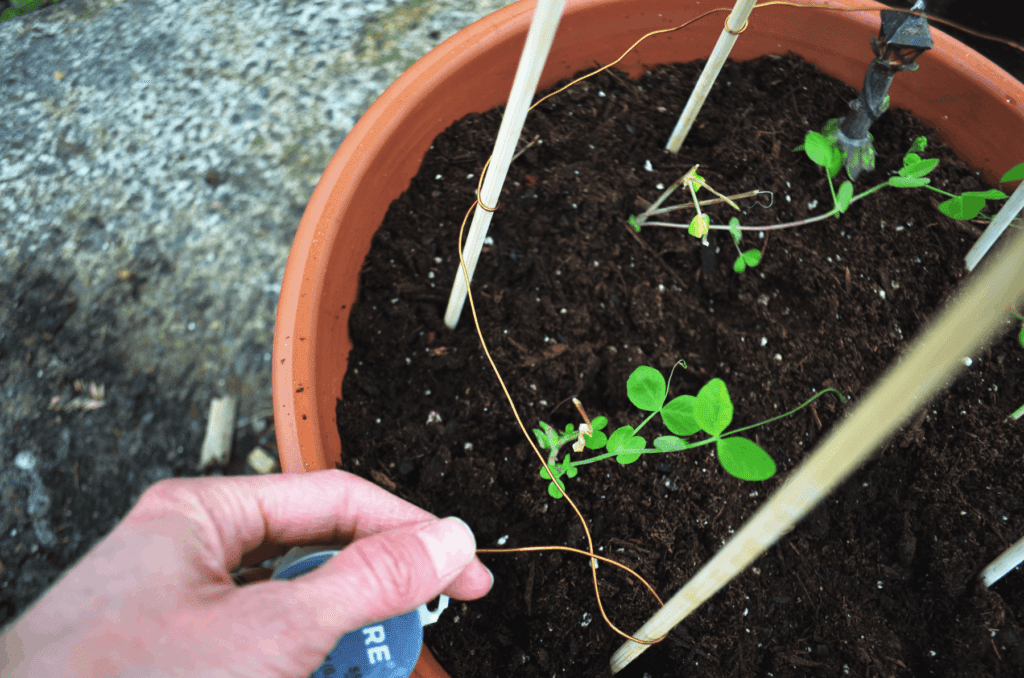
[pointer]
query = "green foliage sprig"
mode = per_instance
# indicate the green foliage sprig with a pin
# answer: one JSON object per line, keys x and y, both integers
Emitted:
{"x": 823, "y": 149}
{"x": 710, "y": 411}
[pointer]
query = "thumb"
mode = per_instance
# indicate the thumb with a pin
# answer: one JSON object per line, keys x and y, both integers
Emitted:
{"x": 389, "y": 574}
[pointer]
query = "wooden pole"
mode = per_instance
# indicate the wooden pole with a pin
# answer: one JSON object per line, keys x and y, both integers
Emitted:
{"x": 543, "y": 25}
{"x": 735, "y": 24}
{"x": 1011, "y": 208}
{"x": 1011, "y": 558}
{"x": 929, "y": 364}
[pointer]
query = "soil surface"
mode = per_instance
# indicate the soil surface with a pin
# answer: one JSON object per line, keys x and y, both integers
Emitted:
{"x": 880, "y": 580}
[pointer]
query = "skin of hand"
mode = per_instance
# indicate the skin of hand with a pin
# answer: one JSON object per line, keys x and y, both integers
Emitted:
{"x": 155, "y": 597}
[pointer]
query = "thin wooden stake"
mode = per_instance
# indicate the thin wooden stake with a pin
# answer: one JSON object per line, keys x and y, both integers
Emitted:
{"x": 735, "y": 24}
{"x": 541, "y": 35}
{"x": 928, "y": 365}
{"x": 1011, "y": 208}
{"x": 1011, "y": 558}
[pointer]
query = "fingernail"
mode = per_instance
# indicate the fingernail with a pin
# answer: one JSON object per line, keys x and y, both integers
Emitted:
{"x": 450, "y": 544}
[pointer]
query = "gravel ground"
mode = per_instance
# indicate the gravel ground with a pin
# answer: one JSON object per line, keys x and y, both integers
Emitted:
{"x": 155, "y": 160}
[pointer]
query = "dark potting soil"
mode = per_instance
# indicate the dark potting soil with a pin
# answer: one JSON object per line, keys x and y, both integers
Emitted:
{"x": 880, "y": 580}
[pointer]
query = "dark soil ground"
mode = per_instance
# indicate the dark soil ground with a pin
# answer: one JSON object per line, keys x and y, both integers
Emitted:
{"x": 880, "y": 579}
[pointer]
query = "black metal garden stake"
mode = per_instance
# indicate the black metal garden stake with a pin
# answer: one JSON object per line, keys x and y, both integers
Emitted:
{"x": 901, "y": 40}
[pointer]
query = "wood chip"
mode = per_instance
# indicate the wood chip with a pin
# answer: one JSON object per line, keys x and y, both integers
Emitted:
{"x": 220, "y": 429}
{"x": 262, "y": 461}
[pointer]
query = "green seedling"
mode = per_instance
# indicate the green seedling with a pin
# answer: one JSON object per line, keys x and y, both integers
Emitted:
{"x": 710, "y": 411}
{"x": 700, "y": 223}
{"x": 823, "y": 150}
{"x": 750, "y": 258}
{"x": 1019, "y": 412}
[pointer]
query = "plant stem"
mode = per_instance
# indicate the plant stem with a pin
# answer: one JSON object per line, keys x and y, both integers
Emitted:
{"x": 768, "y": 421}
{"x": 833, "y": 212}
{"x": 714, "y": 201}
{"x": 608, "y": 455}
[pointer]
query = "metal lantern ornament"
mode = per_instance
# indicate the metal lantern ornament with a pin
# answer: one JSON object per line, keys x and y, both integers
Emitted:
{"x": 901, "y": 39}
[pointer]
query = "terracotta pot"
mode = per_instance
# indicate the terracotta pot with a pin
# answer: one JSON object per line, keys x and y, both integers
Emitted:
{"x": 975, "y": 105}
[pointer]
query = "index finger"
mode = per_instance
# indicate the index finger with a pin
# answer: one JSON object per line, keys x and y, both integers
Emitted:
{"x": 240, "y": 513}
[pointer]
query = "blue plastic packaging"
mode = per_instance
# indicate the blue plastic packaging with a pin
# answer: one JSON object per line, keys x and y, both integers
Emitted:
{"x": 388, "y": 649}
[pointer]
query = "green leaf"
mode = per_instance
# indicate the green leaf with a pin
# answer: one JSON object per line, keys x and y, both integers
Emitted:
{"x": 713, "y": 410}
{"x": 628, "y": 457}
{"x": 646, "y": 389}
{"x": 734, "y": 231}
{"x": 670, "y": 444}
{"x": 910, "y": 159}
{"x": 545, "y": 437}
{"x": 1014, "y": 173}
{"x": 554, "y": 490}
{"x": 744, "y": 459}
{"x": 739, "y": 265}
{"x": 818, "y": 149}
{"x": 919, "y": 168}
{"x": 617, "y": 437}
{"x": 623, "y": 442}
{"x": 595, "y": 441}
{"x": 568, "y": 468}
{"x": 1020, "y": 337}
{"x": 838, "y": 157}
{"x": 908, "y": 182}
{"x": 962, "y": 207}
{"x": 633, "y": 223}
{"x": 752, "y": 257}
{"x": 699, "y": 225}
{"x": 678, "y": 415}
{"x": 919, "y": 144}
{"x": 544, "y": 473}
{"x": 990, "y": 194}
{"x": 844, "y": 196}
{"x": 799, "y": 148}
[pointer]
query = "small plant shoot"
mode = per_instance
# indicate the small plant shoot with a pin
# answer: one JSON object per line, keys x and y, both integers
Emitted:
{"x": 710, "y": 411}
{"x": 822, "y": 148}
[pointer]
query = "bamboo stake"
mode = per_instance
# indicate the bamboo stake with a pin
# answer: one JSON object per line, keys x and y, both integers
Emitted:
{"x": 1011, "y": 208}
{"x": 735, "y": 24}
{"x": 928, "y": 364}
{"x": 1011, "y": 558}
{"x": 539, "y": 38}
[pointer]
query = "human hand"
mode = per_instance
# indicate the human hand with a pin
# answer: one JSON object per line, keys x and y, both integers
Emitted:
{"x": 155, "y": 597}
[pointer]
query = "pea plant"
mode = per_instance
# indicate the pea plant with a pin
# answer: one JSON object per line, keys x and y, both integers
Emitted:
{"x": 710, "y": 411}
{"x": 824, "y": 151}
{"x": 701, "y": 223}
